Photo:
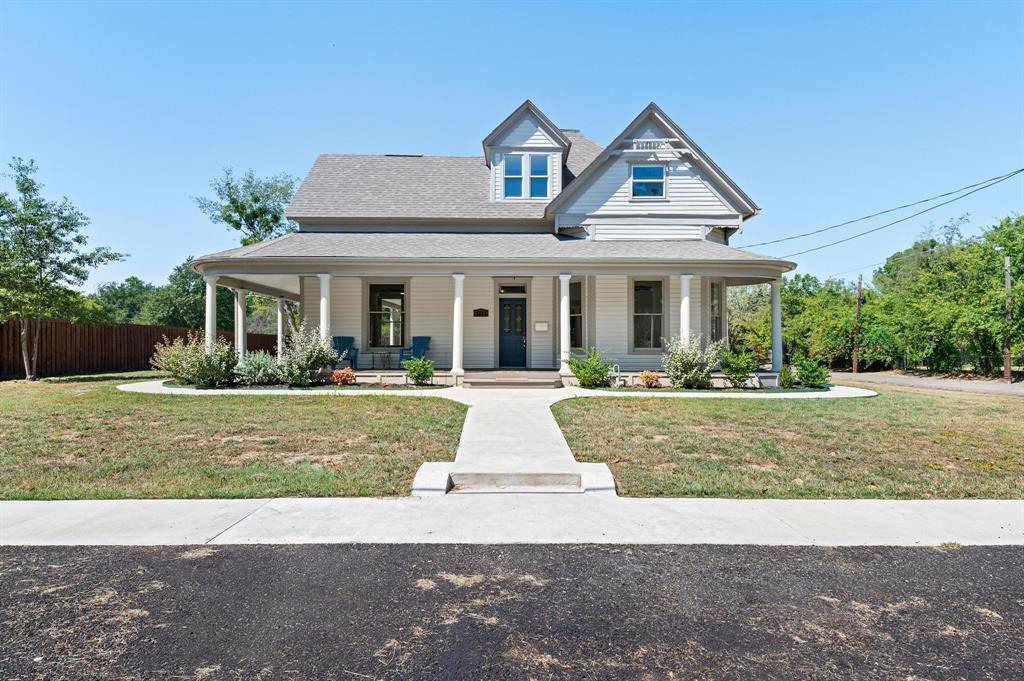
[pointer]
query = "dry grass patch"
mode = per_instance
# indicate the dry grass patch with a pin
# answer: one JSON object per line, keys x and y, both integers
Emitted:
{"x": 903, "y": 444}
{"x": 84, "y": 439}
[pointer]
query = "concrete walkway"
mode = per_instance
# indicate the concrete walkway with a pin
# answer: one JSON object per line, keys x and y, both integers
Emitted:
{"x": 516, "y": 518}
{"x": 987, "y": 386}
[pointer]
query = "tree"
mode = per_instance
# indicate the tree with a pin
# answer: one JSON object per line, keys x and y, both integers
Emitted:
{"x": 122, "y": 301}
{"x": 42, "y": 256}
{"x": 182, "y": 302}
{"x": 252, "y": 205}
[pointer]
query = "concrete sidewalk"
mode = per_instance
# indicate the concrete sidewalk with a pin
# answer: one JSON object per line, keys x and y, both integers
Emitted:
{"x": 519, "y": 518}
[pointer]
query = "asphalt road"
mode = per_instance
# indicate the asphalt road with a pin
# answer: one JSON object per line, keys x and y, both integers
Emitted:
{"x": 496, "y": 612}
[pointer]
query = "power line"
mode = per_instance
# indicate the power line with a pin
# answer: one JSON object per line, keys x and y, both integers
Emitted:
{"x": 910, "y": 254}
{"x": 914, "y": 215}
{"x": 883, "y": 212}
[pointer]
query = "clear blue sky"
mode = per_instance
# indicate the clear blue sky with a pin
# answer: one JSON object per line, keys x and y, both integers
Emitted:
{"x": 822, "y": 112}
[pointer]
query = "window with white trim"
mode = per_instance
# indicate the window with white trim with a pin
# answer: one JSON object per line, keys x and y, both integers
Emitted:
{"x": 513, "y": 176}
{"x": 538, "y": 176}
{"x": 576, "y": 314}
{"x": 647, "y": 181}
{"x": 715, "y": 312}
{"x": 387, "y": 315}
{"x": 648, "y": 314}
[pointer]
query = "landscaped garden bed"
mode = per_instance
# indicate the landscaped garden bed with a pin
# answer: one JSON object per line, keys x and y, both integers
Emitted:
{"x": 81, "y": 438}
{"x": 692, "y": 365}
{"x": 311, "y": 388}
{"x": 308, "y": 362}
{"x": 903, "y": 444}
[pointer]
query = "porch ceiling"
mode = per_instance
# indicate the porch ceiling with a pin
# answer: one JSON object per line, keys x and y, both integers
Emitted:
{"x": 277, "y": 285}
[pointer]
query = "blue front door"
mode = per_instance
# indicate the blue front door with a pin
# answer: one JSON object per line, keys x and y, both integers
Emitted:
{"x": 512, "y": 332}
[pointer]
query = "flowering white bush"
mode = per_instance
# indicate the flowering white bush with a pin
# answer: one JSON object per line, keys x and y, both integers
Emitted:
{"x": 688, "y": 365}
{"x": 306, "y": 355}
{"x": 187, "y": 361}
{"x": 257, "y": 368}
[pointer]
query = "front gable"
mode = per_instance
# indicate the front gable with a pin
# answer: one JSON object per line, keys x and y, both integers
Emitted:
{"x": 686, "y": 194}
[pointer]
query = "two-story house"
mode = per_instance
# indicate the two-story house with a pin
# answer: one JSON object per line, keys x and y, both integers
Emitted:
{"x": 545, "y": 244}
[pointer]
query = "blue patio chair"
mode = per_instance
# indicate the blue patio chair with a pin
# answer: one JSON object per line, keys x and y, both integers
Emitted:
{"x": 420, "y": 345}
{"x": 347, "y": 345}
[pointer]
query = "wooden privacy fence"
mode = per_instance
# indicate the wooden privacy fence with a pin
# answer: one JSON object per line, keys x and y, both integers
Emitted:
{"x": 70, "y": 348}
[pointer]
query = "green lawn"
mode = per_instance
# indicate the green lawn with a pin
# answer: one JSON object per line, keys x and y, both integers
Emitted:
{"x": 80, "y": 438}
{"x": 903, "y": 444}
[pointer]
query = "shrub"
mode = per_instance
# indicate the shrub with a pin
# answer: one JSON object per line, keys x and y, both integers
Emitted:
{"x": 786, "y": 377}
{"x": 812, "y": 373}
{"x": 257, "y": 368}
{"x": 688, "y": 365}
{"x": 187, "y": 361}
{"x": 650, "y": 379}
{"x": 738, "y": 367}
{"x": 305, "y": 356}
{"x": 591, "y": 370}
{"x": 343, "y": 376}
{"x": 419, "y": 370}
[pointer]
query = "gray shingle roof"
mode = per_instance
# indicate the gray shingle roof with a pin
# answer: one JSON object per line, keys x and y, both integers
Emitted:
{"x": 379, "y": 187}
{"x": 477, "y": 246}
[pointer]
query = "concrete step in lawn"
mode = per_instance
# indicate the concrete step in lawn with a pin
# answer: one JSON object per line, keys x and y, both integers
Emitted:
{"x": 513, "y": 379}
{"x": 439, "y": 478}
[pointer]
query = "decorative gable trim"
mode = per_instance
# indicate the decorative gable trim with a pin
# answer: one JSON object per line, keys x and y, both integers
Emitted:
{"x": 653, "y": 112}
{"x": 550, "y": 129}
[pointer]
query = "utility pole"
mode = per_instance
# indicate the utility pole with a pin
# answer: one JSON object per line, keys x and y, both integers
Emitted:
{"x": 1009, "y": 318}
{"x": 856, "y": 327}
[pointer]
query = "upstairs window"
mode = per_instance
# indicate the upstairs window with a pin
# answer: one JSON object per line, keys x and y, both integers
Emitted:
{"x": 538, "y": 176}
{"x": 647, "y": 181}
{"x": 526, "y": 176}
{"x": 513, "y": 176}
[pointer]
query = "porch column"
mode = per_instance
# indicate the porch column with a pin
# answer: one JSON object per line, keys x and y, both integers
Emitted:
{"x": 684, "y": 307}
{"x": 776, "y": 324}
{"x": 325, "y": 306}
{"x": 211, "y": 313}
{"x": 280, "y": 327}
{"x": 240, "y": 336}
{"x": 564, "y": 341}
{"x": 457, "y": 325}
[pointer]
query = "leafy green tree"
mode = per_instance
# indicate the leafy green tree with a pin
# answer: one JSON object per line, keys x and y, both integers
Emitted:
{"x": 254, "y": 206}
{"x": 43, "y": 256}
{"x": 939, "y": 304}
{"x": 122, "y": 301}
{"x": 182, "y": 302}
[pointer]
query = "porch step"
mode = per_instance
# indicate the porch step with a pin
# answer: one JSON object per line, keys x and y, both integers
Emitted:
{"x": 536, "y": 483}
{"x": 547, "y": 380}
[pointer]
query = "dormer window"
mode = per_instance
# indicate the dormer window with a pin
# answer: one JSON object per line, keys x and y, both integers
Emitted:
{"x": 538, "y": 176}
{"x": 536, "y": 180}
{"x": 647, "y": 181}
{"x": 513, "y": 176}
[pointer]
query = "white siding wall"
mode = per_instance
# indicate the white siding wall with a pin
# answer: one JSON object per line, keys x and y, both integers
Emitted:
{"x": 478, "y": 332}
{"x": 627, "y": 231}
{"x": 346, "y": 306}
{"x": 542, "y": 343}
{"x": 526, "y": 132}
{"x": 430, "y": 314}
{"x": 612, "y": 322}
{"x": 688, "y": 193}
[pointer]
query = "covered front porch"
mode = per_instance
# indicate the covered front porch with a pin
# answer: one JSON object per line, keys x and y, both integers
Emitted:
{"x": 506, "y": 316}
